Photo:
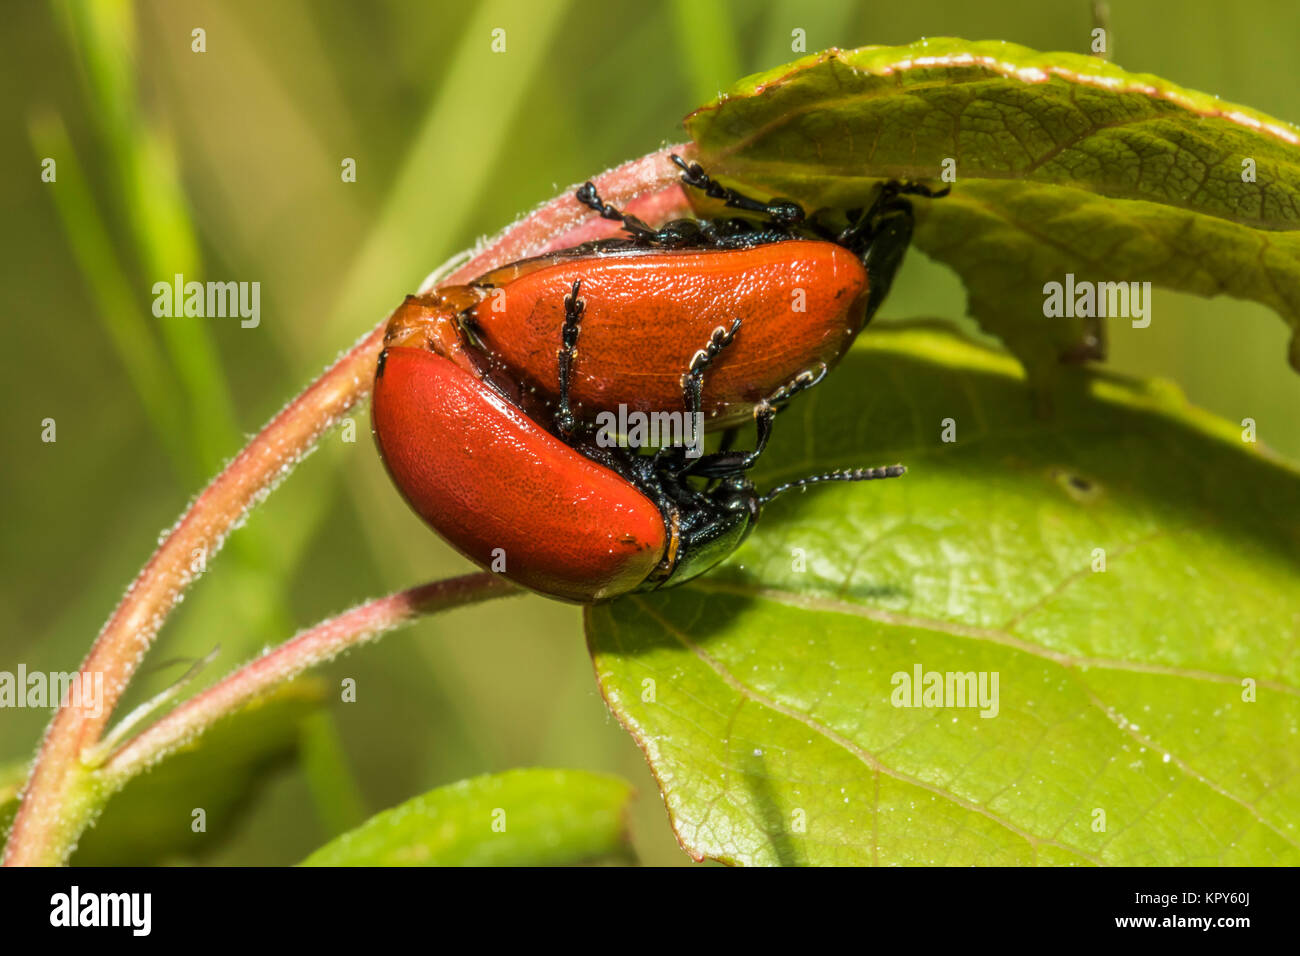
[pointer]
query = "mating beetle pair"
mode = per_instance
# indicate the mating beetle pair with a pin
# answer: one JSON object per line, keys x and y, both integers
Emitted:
{"x": 484, "y": 423}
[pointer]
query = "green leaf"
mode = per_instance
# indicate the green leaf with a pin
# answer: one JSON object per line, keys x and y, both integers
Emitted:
{"x": 151, "y": 820}
{"x": 1064, "y": 164}
{"x": 1159, "y": 698}
{"x": 517, "y": 818}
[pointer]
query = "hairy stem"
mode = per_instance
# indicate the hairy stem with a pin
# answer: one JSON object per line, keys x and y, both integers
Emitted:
{"x": 39, "y": 830}
{"x": 63, "y": 793}
{"x": 310, "y": 648}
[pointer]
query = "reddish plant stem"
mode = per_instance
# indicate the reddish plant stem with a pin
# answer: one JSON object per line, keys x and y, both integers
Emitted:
{"x": 49, "y": 821}
{"x": 310, "y": 648}
{"x": 126, "y": 637}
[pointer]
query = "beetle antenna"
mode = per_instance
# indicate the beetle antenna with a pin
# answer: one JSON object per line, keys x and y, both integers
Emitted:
{"x": 843, "y": 474}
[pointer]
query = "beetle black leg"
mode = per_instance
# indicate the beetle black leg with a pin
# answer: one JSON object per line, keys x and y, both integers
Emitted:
{"x": 589, "y": 197}
{"x": 722, "y": 464}
{"x": 800, "y": 383}
{"x": 884, "y": 253}
{"x": 785, "y": 212}
{"x": 565, "y": 422}
{"x": 864, "y": 227}
{"x": 693, "y": 380}
{"x": 765, "y": 411}
{"x": 726, "y": 444}
{"x": 889, "y": 202}
{"x": 672, "y": 458}
{"x": 880, "y": 235}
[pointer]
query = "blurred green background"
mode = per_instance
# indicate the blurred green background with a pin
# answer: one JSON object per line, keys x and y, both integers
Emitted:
{"x": 225, "y": 165}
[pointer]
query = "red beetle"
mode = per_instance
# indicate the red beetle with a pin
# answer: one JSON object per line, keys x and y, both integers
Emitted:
{"x": 804, "y": 290}
{"x": 501, "y": 489}
{"x": 570, "y": 518}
